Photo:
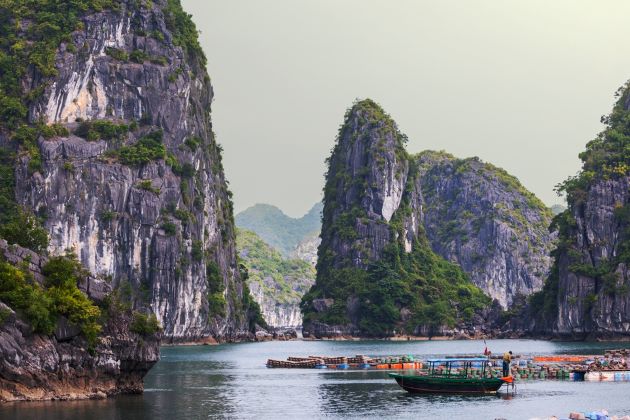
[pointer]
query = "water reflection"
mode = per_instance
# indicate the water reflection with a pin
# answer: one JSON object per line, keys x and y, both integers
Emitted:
{"x": 230, "y": 381}
{"x": 199, "y": 386}
{"x": 363, "y": 394}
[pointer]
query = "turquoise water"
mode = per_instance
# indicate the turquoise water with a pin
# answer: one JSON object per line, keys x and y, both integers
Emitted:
{"x": 231, "y": 381}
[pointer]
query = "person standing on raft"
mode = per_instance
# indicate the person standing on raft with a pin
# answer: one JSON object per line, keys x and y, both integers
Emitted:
{"x": 507, "y": 359}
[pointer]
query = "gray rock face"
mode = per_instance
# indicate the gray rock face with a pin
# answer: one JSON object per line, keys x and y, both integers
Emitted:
{"x": 37, "y": 367}
{"x": 590, "y": 304}
{"x": 391, "y": 220}
{"x": 34, "y": 367}
{"x": 365, "y": 184}
{"x": 586, "y": 295}
{"x": 306, "y": 250}
{"x": 481, "y": 218}
{"x": 321, "y": 330}
{"x": 369, "y": 172}
{"x": 95, "y": 206}
{"x": 277, "y": 314}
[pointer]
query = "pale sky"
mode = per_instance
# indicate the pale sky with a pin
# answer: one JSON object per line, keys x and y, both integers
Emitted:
{"x": 521, "y": 84}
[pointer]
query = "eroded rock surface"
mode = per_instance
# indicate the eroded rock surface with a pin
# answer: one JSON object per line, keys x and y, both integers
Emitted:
{"x": 482, "y": 218}
{"x": 154, "y": 225}
{"x": 62, "y": 366}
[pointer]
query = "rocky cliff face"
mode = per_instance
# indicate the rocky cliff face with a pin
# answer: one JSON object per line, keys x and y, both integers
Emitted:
{"x": 277, "y": 313}
{"x": 594, "y": 299}
{"x": 135, "y": 186}
{"x": 376, "y": 273}
{"x": 483, "y": 219}
{"x": 276, "y": 283}
{"x": 62, "y": 365}
{"x": 306, "y": 250}
{"x": 586, "y": 295}
{"x": 367, "y": 175}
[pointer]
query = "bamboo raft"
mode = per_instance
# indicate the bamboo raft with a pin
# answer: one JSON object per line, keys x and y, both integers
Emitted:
{"x": 299, "y": 364}
{"x": 358, "y": 361}
{"x": 332, "y": 362}
{"x": 613, "y": 365}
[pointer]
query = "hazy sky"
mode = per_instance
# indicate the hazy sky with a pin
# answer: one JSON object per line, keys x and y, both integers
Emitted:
{"x": 521, "y": 84}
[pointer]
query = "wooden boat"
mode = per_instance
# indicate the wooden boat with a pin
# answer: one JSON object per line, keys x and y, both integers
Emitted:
{"x": 452, "y": 376}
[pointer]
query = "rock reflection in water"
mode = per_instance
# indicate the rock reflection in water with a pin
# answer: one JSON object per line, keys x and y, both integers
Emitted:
{"x": 231, "y": 381}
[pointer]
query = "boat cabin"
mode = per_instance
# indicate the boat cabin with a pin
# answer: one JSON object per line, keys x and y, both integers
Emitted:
{"x": 457, "y": 367}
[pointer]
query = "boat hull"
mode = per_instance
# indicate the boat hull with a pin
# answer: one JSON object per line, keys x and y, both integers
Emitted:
{"x": 444, "y": 385}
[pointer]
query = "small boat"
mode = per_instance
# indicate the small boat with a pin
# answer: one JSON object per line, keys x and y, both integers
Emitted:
{"x": 452, "y": 376}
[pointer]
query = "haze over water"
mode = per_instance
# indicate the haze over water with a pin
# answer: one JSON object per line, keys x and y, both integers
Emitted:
{"x": 521, "y": 84}
{"x": 231, "y": 381}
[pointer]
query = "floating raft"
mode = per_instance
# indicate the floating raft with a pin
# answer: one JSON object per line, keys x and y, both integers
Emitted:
{"x": 614, "y": 365}
{"x": 342, "y": 362}
{"x": 296, "y": 364}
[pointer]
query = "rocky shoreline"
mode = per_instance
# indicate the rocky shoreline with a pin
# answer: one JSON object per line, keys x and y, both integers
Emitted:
{"x": 35, "y": 367}
{"x": 63, "y": 366}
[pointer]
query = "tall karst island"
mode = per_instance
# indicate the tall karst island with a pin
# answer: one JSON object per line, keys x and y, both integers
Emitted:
{"x": 423, "y": 244}
{"x": 587, "y": 294}
{"x": 115, "y": 217}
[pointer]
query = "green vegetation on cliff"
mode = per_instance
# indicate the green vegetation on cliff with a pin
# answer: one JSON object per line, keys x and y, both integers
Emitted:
{"x": 148, "y": 148}
{"x": 144, "y": 324}
{"x": 607, "y": 157}
{"x": 60, "y": 296}
{"x": 523, "y": 199}
{"x": 400, "y": 289}
{"x": 17, "y": 225}
{"x": 32, "y": 31}
{"x": 281, "y": 280}
{"x": 184, "y": 32}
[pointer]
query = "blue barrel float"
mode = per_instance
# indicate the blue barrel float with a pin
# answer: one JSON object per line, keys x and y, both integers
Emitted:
{"x": 578, "y": 375}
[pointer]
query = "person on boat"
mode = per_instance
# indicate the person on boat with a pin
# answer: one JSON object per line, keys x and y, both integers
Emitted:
{"x": 507, "y": 359}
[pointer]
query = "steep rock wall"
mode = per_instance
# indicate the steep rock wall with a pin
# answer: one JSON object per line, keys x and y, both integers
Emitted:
{"x": 483, "y": 219}
{"x": 586, "y": 294}
{"x": 376, "y": 272}
{"x": 154, "y": 225}
{"x": 366, "y": 178}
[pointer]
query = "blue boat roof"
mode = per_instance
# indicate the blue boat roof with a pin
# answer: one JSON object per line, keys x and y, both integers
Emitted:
{"x": 463, "y": 359}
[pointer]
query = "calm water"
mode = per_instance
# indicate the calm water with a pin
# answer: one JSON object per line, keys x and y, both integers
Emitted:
{"x": 231, "y": 381}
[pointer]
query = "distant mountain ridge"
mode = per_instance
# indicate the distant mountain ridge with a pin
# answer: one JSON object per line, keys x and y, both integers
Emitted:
{"x": 277, "y": 229}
